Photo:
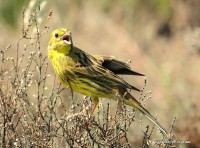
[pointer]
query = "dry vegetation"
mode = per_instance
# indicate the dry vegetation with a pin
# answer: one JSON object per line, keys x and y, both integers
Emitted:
{"x": 40, "y": 118}
{"x": 35, "y": 109}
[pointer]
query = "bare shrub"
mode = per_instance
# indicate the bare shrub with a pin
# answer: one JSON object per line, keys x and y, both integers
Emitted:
{"x": 33, "y": 109}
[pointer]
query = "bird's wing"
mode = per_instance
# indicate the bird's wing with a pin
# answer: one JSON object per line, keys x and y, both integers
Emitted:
{"x": 90, "y": 67}
{"x": 116, "y": 66}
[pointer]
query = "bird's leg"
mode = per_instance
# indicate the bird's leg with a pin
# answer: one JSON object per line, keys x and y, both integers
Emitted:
{"x": 95, "y": 100}
{"x": 95, "y": 105}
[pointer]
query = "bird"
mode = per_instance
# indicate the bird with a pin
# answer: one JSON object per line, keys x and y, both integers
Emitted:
{"x": 93, "y": 75}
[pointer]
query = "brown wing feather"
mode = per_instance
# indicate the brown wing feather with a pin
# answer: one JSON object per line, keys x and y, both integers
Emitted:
{"x": 87, "y": 62}
{"x": 117, "y": 67}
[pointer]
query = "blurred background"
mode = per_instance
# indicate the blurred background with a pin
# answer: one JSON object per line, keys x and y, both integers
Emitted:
{"x": 161, "y": 38}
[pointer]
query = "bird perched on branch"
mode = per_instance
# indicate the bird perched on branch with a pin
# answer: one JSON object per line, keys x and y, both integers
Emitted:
{"x": 94, "y": 76}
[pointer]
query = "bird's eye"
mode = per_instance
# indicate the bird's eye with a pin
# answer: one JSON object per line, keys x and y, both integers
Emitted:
{"x": 56, "y": 35}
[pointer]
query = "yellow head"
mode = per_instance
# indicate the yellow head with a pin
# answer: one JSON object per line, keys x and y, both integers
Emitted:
{"x": 60, "y": 41}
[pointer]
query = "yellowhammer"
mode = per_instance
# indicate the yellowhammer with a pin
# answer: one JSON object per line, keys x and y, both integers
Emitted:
{"x": 94, "y": 76}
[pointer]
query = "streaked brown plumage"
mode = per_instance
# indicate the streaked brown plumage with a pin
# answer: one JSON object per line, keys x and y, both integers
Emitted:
{"x": 95, "y": 76}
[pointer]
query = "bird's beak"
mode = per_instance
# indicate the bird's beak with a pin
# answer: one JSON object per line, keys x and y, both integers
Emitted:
{"x": 67, "y": 38}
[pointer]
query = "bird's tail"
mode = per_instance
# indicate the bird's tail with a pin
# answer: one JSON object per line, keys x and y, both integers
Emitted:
{"x": 131, "y": 101}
